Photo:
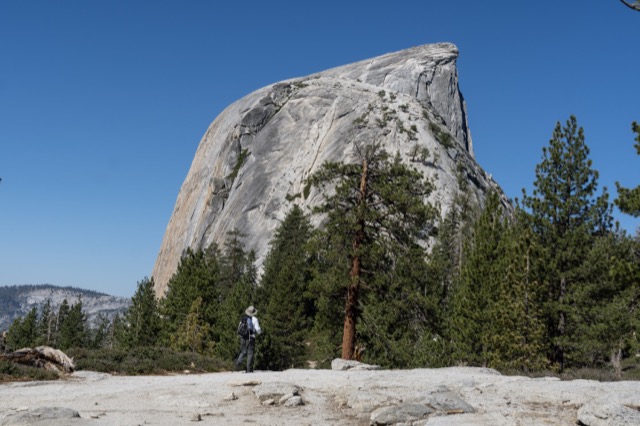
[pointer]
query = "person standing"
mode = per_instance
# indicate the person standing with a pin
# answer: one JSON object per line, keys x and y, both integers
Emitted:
{"x": 248, "y": 343}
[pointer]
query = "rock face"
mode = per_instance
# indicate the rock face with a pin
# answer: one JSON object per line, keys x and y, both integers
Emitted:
{"x": 251, "y": 165}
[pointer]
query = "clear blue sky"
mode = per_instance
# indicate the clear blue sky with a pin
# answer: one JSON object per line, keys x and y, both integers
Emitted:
{"x": 103, "y": 104}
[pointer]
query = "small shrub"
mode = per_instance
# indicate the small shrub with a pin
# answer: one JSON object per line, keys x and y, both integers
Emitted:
{"x": 361, "y": 121}
{"x": 12, "y": 372}
{"x": 441, "y": 136}
{"x": 290, "y": 197}
{"x": 243, "y": 156}
{"x": 307, "y": 190}
{"x": 144, "y": 360}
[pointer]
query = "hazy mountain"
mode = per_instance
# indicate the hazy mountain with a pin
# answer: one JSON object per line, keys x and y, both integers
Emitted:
{"x": 18, "y": 300}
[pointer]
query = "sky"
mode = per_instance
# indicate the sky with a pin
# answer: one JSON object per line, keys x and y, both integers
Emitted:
{"x": 103, "y": 104}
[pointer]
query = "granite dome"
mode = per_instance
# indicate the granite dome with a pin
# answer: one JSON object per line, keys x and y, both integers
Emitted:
{"x": 251, "y": 165}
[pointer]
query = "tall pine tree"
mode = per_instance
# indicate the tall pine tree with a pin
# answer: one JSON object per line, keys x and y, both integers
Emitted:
{"x": 566, "y": 216}
{"x": 142, "y": 320}
{"x": 46, "y": 325}
{"x": 375, "y": 210}
{"x": 23, "y": 332}
{"x": 238, "y": 281}
{"x": 287, "y": 312}
{"x": 516, "y": 337}
{"x": 629, "y": 199}
{"x": 197, "y": 275}
{"x": 478, "y": 288}
{"x": 73, "y": 328}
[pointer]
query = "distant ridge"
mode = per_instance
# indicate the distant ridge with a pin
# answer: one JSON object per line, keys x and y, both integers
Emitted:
{"x": 17, "y": 300}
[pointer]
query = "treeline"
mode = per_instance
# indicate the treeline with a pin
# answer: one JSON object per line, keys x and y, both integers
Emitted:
{"x": 547, "y": 284}
{"x": 62, "y": 329}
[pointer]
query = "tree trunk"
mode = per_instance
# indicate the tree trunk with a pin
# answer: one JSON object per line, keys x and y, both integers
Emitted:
{"x": 351, "y": 313}
{"x": 351, "y": 308}
{"x": 616, "y": 357}
{"x": 561, "y": 324}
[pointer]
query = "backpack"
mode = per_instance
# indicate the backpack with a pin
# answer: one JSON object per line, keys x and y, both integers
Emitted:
{"x": 245, "y": 326}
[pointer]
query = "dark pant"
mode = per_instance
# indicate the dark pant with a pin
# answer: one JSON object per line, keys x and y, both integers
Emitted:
{"x": 246, "y": 349}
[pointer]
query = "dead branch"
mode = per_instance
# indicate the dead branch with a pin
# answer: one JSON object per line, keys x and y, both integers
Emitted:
{"x": 635, "y": 6}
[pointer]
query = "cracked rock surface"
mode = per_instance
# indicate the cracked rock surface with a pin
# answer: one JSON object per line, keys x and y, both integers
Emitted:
{"x": 447, "y": 396}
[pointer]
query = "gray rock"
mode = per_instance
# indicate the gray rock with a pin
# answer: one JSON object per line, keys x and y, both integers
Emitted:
{"x": 365, "y": 401}
{"x": 344, "y": 364}
{"x": 251, "y": 165}
{"x": 616, "y": 409}
{"x": 449, "y": 403}
{"x": 294, "y": 401}
{"x": 40, "y": 415}
{"x": 400, "y": 414}
{"x": 275, "y": 391}
{"x": 330, "y": 398}
{"x": 284, "y": 398}
{"x": 231, "y": 397}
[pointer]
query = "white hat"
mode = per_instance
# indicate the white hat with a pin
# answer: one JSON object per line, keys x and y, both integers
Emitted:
{"x": 251, "y": 311}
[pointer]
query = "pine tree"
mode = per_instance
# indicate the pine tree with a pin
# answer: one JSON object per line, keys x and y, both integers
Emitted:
{"x": 23, "y": 332}
{"x": 477, "y": 291}
{"x": 192, "y": 335}
{"x": 327, "y": 290}
{"x": 98, "y": 333}
{"x": 566, "y": 216}
{"x": 375, "y": 212}
{"x": 142, "y": 318}
{"x": 287, "y": 312}
{"x": 116, "y": 333}
{"x": 197, "y": 275}
{"x": 238, "y": 281}
{"x": 398, "y": 312}
{"x": 444, "y": 267}
{"x": 15, "y": 339}
{"x": 234, "y": 263}
{"x": 516, "y": 337}
{"x": 60, "y": 318}
{"x": 629, "y": 199}
{"x": 446, "y": 258}
{"x": 609, "y": 318}
{"x": 73, "y": 328}
{"x": 46, "y": 324}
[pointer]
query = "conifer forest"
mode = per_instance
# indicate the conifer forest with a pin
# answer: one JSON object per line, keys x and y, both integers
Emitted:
{"x": 545, "y": 282}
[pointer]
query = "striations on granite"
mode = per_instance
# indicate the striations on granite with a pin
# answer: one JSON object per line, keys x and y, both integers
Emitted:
{"x": 250, "y": 167}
